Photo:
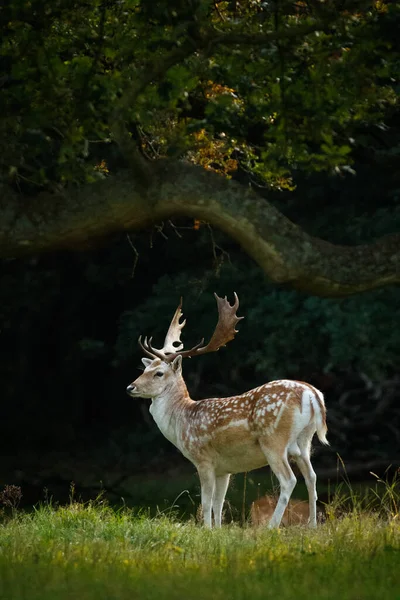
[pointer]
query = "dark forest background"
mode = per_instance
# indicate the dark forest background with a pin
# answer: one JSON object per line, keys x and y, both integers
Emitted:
{"x": 70, "y": 320}
{"x": 69, "y": 325}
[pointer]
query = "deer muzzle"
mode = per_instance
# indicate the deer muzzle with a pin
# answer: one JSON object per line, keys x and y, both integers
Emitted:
{"x": 131, "y": 390}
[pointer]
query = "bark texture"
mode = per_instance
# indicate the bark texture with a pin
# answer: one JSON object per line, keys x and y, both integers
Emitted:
{"x": 285, "y": 252}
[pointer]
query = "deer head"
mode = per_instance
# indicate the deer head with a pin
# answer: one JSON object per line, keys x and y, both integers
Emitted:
{"x": 165, "y": 365}
{"x": 157, "y": 377}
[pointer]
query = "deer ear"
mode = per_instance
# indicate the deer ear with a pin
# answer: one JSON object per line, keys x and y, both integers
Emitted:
{"x": 177, "y": 364}
{"x": 146, "y": 361}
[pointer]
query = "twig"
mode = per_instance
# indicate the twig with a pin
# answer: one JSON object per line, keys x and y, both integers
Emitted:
{"x": 218, "y": 260}
{"x": 221, "y": 16}
{"x": 159, "y": 229}
{"x": 135, "y": 262}
{"x": 175, "y": 228}
{"x": 148, "y": 141}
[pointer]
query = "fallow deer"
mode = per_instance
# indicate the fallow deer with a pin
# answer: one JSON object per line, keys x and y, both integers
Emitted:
{"x": 220, "y": 436}
{"x": 296, "y": 512}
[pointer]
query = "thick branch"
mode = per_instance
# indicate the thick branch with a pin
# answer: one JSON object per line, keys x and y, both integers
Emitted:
{"x": 285, "y": 252}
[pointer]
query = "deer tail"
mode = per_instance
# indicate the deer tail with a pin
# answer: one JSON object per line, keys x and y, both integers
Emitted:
{"x": 320, "y": 416}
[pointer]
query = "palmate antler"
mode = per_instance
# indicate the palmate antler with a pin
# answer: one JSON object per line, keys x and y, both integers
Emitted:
{"x": 224, "y": 332}
{"x": 172, "y": 342}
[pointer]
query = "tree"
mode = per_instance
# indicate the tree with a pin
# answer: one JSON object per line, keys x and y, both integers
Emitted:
{"x": 124, "y": 114}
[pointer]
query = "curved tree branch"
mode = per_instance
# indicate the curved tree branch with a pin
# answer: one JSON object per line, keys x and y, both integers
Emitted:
{"x": 284, "y": 251}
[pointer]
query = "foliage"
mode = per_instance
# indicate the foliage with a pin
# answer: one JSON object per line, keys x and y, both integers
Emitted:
{"x": 286, "y": 86}
{"x": 92, "y": 552}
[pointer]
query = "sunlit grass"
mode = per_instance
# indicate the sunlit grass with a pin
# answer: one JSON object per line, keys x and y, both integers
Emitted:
{"x": 89, "y": 551}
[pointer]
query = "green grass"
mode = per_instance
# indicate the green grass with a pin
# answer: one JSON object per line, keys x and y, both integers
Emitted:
{"x": 89, "y": 551}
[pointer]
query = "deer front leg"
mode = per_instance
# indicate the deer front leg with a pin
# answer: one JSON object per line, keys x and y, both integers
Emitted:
{"x": 207, "y": 481}
{"x": 221, "y": 485}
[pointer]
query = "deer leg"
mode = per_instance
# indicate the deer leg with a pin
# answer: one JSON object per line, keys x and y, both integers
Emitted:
{"x": 287, "y": 480}
{"x": 304, "y": 463}
{"x": 221, "y": 485}
{"x": 207, "y": 481}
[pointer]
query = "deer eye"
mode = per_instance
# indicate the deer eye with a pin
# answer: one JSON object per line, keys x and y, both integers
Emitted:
{"x": 159, "y": 374}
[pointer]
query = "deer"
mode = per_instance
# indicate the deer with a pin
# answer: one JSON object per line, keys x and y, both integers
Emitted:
{"x": 296, "y": 513}
{"x": 272, "y": 424}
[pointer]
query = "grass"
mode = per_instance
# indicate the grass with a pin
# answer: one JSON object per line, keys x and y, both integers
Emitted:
{"x": 90, "y": 551}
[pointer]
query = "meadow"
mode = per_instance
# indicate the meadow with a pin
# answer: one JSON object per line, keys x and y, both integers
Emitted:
{"x": 92, "y": 551}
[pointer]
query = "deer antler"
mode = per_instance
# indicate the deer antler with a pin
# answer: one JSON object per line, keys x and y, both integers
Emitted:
{"x": 225, "y": 329}
{"x": 172, "y": 342}
{"x": 224, "y": 332}
{"x": 148, "y": 348}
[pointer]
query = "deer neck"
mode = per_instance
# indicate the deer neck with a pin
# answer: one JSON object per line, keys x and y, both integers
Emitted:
{"x": 168, "y": 410}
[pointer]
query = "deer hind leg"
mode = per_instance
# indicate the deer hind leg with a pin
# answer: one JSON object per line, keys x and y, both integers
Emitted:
{"x": 304, "y": 463}
{"x": 221, "y": 485}
{"x": 207, "y": 482}
{"x": 278, "y": 461}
